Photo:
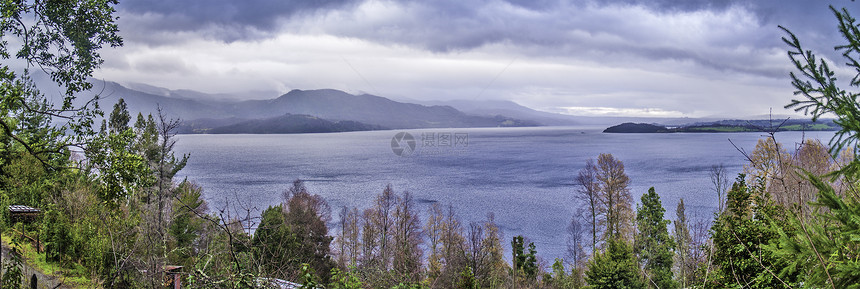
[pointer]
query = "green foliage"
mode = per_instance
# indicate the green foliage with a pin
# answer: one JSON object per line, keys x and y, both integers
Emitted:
{"x": 614, "y": 268}
{"x": 825, "y": 252}
{"x": 346, "y": 279}
{"x": 62, "y": 38}
{"x": 272, "y": 241}
{"x": 120, "y": 170}
{"x": 817, "y": 83}
{"x": 740, "y": 235}
{"x": 560, "y": 279}
{"x": 467, "y": 280}
{"x": 824, "y": 248}
{"x": 307, "y": 277}
{"x": 288, "y": 238}
{"x": 653, "y": 244}
{"x": 524, "y": 263}
{"x": 13, "y": 276}
{"x": 119, "y": 117}
{"x": 187, "y": 224}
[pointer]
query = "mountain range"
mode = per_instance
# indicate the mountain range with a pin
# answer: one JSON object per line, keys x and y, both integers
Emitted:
{"x": 298, "y": 111}
{"x": 330, "y": 110}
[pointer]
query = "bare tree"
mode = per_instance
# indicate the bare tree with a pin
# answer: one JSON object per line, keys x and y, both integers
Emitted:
{"x": 616, "y": 199}
{"x": 476, "y": 256}
{"x": 588, "y": 190}
{"x": 383, "y": 221}
{"x": 434, "y": 228}
{"x": 369, "y": 241}
{"x": 348, "y": 242}
{"x": 407, "y": 240}
{"x": 497, "y": 268}
{"x": 452, "y": 249}
{"x": 576, "y": 256}
{"x": 720, "y": 180}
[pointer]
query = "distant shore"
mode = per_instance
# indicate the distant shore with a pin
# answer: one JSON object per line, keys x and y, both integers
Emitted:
{"x": 727, "y": 126}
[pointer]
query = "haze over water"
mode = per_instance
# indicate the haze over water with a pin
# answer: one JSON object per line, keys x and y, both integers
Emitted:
{"x": 525, "y": 176}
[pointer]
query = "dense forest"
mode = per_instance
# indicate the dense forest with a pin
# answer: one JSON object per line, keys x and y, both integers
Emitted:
{"x": 112, "y": 214}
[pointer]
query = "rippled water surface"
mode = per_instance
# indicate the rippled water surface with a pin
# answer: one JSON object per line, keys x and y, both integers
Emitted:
{"x": 523, "y": 175}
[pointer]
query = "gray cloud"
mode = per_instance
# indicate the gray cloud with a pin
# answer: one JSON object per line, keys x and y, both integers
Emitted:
{"x": 226, "y": 20}
{"x": 660, "y": 54}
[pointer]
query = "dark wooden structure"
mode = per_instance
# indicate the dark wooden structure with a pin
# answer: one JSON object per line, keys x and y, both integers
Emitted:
{"x": 25, "y": 214}
{"x": 172, "y": 275}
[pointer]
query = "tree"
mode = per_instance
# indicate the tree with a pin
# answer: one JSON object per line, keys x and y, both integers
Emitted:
{"x": 615, "y": 197}
{"x": 434, "y": 230}
{"x": 407, "y": 240}
{"x": 766, "y": 161}
{"x": 684, "y": 260}
{"x": 741, "y": 234}
{"x": 293, "y": 235}
{"x": 114, "y": 163}
{"x": 348, "y": 240}
{"x": 119, "y": 117}
{"x": 525, "y": 263}
{"x": 186, "y": 225}
{"x": 720, "y": 180}
{"x": 791, "y": 189}
{"x": 383, "y": 222}
{"x": 453, "y": 253}
{"x": 653, "y": 244}
{"x": 615, "y": 268}
{"x": 63, "y": 38}
{"x": 824, "y": 247}
{"x": 272, "y": 243}
{"x": 589, "y": 192}
{"x": 496, "y": 267}
{"x": 576, "y": 256}
{"x": 307, "y": 216}
{"x": 560, "y": 279}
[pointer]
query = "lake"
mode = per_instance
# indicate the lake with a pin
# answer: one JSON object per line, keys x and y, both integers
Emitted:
{"x": 522, "y": 175}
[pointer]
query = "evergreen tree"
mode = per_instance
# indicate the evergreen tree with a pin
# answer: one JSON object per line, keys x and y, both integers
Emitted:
{"x": 740, "y": 235}
{"x": 524, "y": 263}
{"x": 653, "y": 244}
{"x": 683, "y": 243}
{"x": 119, "y": 117}
{"x": 823, "y": 251}
{"x": 270, "y": 241}
{"x": 614, "y": 269}
{"x": 293, "y": 235}
{"x": 307, "y": 216}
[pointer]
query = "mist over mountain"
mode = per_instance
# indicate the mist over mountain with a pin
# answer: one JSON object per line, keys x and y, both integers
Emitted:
{"x": 341, "y": 111}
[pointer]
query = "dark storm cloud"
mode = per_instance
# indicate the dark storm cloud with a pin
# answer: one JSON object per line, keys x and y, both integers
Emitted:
{"x": 232, "y": 20}
{"x": 666, "y": 44}
{"x": 445, "y": 25}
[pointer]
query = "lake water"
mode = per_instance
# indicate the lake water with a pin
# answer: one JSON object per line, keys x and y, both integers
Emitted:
{"x": 523, "y": 175}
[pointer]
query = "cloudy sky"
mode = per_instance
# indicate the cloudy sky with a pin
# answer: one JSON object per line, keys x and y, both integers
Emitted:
{"x": 691, "y": 58}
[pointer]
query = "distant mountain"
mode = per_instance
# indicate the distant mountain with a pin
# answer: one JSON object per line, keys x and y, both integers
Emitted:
{"x": 146, "y": 103}
{"x": 338, "y": 105}
{"x": 344, "y": 111}
{"x": 201, "y": 96}
{"x": 515, "y": 110}
{"x": 511, "y": 109}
